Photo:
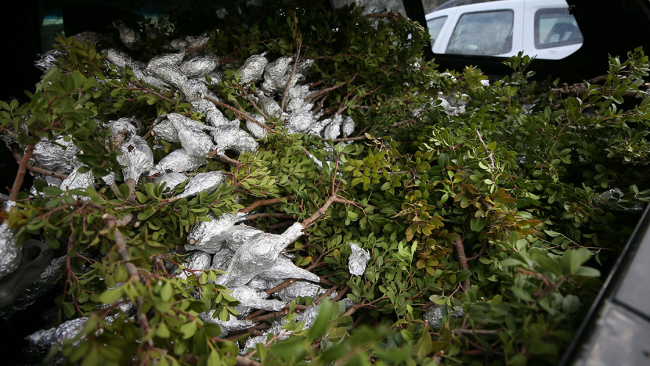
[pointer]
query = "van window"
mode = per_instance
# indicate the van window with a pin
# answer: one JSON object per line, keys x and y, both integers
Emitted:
{"x": 555, "y": 27}
{"x": 435, "y": 25}
{"x": 482, "y": 33}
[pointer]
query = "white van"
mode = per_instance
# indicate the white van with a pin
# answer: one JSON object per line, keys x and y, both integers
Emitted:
{"x": 541, "y": 28}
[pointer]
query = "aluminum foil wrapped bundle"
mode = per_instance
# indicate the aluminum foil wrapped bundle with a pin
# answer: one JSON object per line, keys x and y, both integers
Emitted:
{"x": 198, "y": 41}
{"x": 186, "y": 122}
{"x": 299, "y": 289}
{"x": 128, "y": 36}
{"x": 612, "y": 200}
{"x": 233, "y": 138}
{"x": 10, "y": 254}
{"x": 285, "y": 269}
{"x": 43, "y": 284}
{"x": 166, "y": 59}
{"x": 171, "y": 180}
{"x": 435, "y": 314}
{"x": 347, "y": 127}
{"x": 195, "y": 261}
{"x": 270, "y": 107}
{"x": 203, "y": 182}
{"x": 136, "y": 156}
{"x": 48, "y": 59}
{"x": 120, "y": 58}
{"x": 233, "y": 324}
{"x": 41, "y": 341}
{"x": 276, "y": 75}
{"x": 301, "y": 122}
{"x": 170, "y": 74}
{"x": 317, "y": 127}
{"x": 196, "y": 142}
{"x": 209, "y": 236}
{"x": 164, "y": 129}
{"x": 296, "y": 98}
{"x": 221, "y": 260}
{"x": 109, "y": 179}
{"x": 256, "y": 130}
{"x": 252, "y": 69}
{"x": 358, "y": 260}
{"x": 333, "y": 130}
{"x": 179, "y": 44}
{"x": 216, "y": 77}
{"x": 78, "y": 180}
{"x": 179, "y": 161}
{"x": 131, "y": 125}
{"x": 51, "y": 182}
{"x": 144, "y": 76}
{"x": 126, "y": 307}
{"x": 257, "y": 255}
{"x": 52, "y": 156}
{"x": 252, "y": 299}
{"x": 199, "y": 66}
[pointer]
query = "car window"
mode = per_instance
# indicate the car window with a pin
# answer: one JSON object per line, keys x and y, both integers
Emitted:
{"x": 435, "y": 25}
{"x": 482, "y": 33}
{"x": 555, "y": 27}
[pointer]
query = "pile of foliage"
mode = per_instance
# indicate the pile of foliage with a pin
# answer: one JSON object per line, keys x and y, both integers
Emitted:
{"x": 497, "y": 209}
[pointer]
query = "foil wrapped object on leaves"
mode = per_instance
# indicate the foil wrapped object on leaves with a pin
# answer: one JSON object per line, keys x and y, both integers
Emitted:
{"x": 299, "y": 289}
{"x": 203, "y": 182}
{"x": 171, "y": 180}
{"x": 212, "y": 236}
{"x": 276, "y": 75}
{"x": 252, "y": 69}
{"x": 257, "y": 255}
{"x": 128, "y": 36}
{"x": 78, "y": 180}
{"x": 179, "y": 161}
{"x": 358, "y": 260}
{"x": 195, "y": 261}
{"x": 41, "y": 341}
{"x": 10, "y": 254}
{"x": 196, "y": 142}
{"x": 131, "y": 125}
{"x": 48, "y": 59}
{"x": 435, "y": 314}
{"x": 58, "y": 155}
{"x": 136, "y": 156}
{"x": 233, "y": 324}
{"x": 250, "y": 298}
{"x": 198, "y": 66}
{"x": 256, "y": 130}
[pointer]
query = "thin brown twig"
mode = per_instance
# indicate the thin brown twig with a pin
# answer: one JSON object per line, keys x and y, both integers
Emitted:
{"x": 223, "y": 158}
{"x": 279, "y": 287}
{"x": 22, "y": 170}
{"x": 265, "y": 202}
{"x": 462, "y": 259}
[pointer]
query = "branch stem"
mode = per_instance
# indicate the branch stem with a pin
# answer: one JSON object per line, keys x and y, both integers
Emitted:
{"x": 22, "y": 170}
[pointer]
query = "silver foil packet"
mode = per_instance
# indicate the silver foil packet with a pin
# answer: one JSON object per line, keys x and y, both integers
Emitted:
{"x": 78, "y": 180}
{"x": 276, "y": 75}
{"x": 358, "y": 260}
{"x": 198, "y": 66}
{"x": 164, "y": 129}
{"x": 231, "y": 138}
{"x": 250, "y": 298}
{"x": 270, "y": 107}
{"x": 285, "y": 269}
{"x": 203, "y": 182}
{"x": 333, "y": 130}
{"x": 48, "y": 59}
{"x": 256, "y": 130}
{"x": 257, "y": 255}
{"x": 55, "y": 336}
{"x": 196, "y": 142}
{"x": 167, "y": 59}
{"x": 195, "y": 261}
{"x": 434, "y": 315}
{"x": 10, "y": 254}
{"x": 131, "y": 125}
{"x": 136, "y": 156}
{"x": 128, "y": 36}
{"x": 171, "y": 180}
{"x": 179, "y": 161}
{"x": 52, "y": 156}
{"x": 209, "y": 236}
{"x": 170, "y": 74}
{"x": 348, "y": 126}
{"x": 296, "y": 99}
{"x": 233, "y": 324}
{"x": 119, "y": 58}
{"x": 179, "y": 44}
{"x": 252, "y": 69}
{"x": 198, "y": 41}
{"x": 299, "y": 289}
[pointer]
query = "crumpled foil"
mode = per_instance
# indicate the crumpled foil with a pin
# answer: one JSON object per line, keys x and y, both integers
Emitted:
{"x": 164, "y": 129}
{"x": 129, "y": 37}
{"x": 348, "y": 126}
{"x": 221, "y": 260}
{"x": 209, "y": 236}
{"x": 136, "y": 156}
{"x": 256, "y": 130}
{"x": 43, "y": 284}
{"x": 179, "y": 161}
{"x": 126, "y": 307}
{"x": 358, "y": 260}
{"x": 171, "y": 180}
{"x": 196, "y": 142}
{"x": 285, "y": 269}
{"x": 333, "y": 130}
{"x": 53, "y": 157}
{"x": 276, "y": 75}
{"x": 78, "y": 180}
{"x": 40, "y": 342}
{"x": 131, "y": 125}
{"x": 233, "y": 324}
{"x": 257, "y": 255}
{"x": 179, "y": 44}
{"x": 166, "y": 59}
{"x": 250, "y": 298}
{"x": 170, "y": 74}
{"x": 296, "y": 98}
{"x": 300, "y": 122}
{"x": 252, "y": 69}
{"x": 119, "y": 58}
{"x": 612, "y": 201}
{"x": 195, "y": 261}
{"x": 233, "y": 138}
{"x": 216, "y": 77}
{"x": 48, "y": 59}
{"x": 270, "y": 107}
{"x": 51, "y": 182}
{"x": 10, "y": 254}
{"x": 198, "y": 66}
{"x": 198, "y": 41}
{"x": 299, "y": 289}
{"x": 203, "y": 182}
{"x": 434, "y": 315}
